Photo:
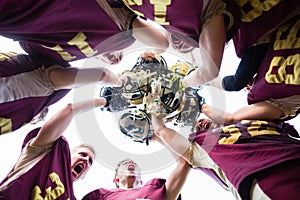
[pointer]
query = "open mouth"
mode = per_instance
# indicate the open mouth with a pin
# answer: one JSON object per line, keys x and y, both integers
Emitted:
{"x": 131, "y": 168}
{"x": 78, "y": 168}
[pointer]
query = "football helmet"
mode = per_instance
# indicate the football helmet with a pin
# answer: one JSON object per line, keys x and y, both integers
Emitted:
{"x": 136, "y": 125}
{"x": 151, "y": 88}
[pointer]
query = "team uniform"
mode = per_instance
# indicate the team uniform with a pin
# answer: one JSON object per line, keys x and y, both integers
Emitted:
{"x": 253, "y": 158}
{"x": 187, "y": 18}
{"x": 278, "y": 77}
{"x": 62, "y": 31}
{"x": 40, "y": 172}
{"x": 153, "y": 189}
{"x": 258, "y": 21}
{"x": 25, "y": 90}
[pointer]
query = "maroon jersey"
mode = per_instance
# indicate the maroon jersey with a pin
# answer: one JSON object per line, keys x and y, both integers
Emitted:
{"x": 186, "y": 17}
{"x": 246, "y": 148}
{"x": 50, "y": 176}
{"x": 260, "y": 17}
{"x": 61, "y": 30}
{"x": 278, "y": 75}
{"x": 17, "y": 111}
{"x": 153, "y": 189}
{"x": 15, "y": 114}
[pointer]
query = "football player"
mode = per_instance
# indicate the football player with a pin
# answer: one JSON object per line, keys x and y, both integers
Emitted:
{"x": 275, "y": 91}
{"x": 129, "y": 184}
{"x": 207, "y": 24}
{"x": 27, "y": 87}
{"x": 255, "y": 159}
{"x": 46, "y": 161}
{"x": 59, "y": 32}
{"x": 258, "y": 23}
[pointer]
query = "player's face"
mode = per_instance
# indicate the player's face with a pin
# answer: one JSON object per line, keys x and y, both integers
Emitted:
{"x": 112, "y": 58}
{"x": 129, "y": 168}
{"x": 82, "y": 159}
{"x": 129, "y": 174}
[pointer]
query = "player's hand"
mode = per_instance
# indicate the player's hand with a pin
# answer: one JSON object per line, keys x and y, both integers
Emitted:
{"x": 147, "y": 55}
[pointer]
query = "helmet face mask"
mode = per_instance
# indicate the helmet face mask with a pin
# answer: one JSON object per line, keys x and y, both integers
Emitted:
{"x": 151, "y": 88}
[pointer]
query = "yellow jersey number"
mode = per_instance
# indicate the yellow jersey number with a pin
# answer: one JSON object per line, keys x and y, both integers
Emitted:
{"x": 252, "y": 9}
{"x": 51, "y": 194}
{"x": 79, "y": 40}
{"x": 253, "y": 130}
{"x": 280, "y": 64}
{"x": 159, "y": 6}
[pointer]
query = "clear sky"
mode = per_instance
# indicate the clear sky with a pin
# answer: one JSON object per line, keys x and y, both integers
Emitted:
{"x": 198, "y": 185}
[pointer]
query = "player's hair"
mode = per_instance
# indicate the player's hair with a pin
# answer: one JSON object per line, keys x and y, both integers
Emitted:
{"x": 87, "y": 146}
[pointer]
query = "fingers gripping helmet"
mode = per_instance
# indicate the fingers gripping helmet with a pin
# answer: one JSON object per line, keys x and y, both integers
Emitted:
{"x": 151, "y": 88}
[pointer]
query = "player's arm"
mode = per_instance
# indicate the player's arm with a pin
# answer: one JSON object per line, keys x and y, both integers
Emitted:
{"x": 55, "y": 127}
{"x": 67, "y": 78}
{"x": 179, "y": 147}
{"x": 170, "y": 138}
{"x": 177, "y": 179}
{"x": 150, "y": 33}
{"x": 211, "y": 41}
{"x": 258, "y": 111}
{"x": 247, "y": 68}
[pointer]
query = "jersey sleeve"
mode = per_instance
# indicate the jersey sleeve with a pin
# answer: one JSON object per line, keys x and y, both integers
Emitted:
{"x": 119, "y": 13}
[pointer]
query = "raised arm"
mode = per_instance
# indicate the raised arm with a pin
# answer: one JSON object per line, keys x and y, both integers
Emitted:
{"x": 177, "y": 179}
{"x": 170, "y": 138}
{"x": 179, "y": 147}
{"x": 67, "y": 78}
{"x": 258, "y": 111}
{"x": 212, "y": 41}
{"x": 55, "y": 127}
{"x": 247, "y": 68}
{"x": 150, "y": 33}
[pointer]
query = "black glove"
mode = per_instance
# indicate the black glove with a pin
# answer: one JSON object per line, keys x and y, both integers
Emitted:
{"x": 192, "y": 107}
{"x": 114, "y": 100}
{"x": 193, "y": 93}
{"x": 200, "y": 100}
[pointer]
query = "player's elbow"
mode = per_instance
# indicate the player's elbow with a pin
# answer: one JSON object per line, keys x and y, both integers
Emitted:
{"x": 69, "y": 108}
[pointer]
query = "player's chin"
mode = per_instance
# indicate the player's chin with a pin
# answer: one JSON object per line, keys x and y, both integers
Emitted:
{"x": 74, "y": 176}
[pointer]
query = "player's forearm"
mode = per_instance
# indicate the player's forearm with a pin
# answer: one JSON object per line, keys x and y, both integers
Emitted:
{"x": 87, "y": 105}
{"x": 55, "y": 126}
{"x": 217, "y": 115}
{"x": 201, "y": 75}
{"x": 177, "y": 179}
{"x": 72, "y": 77}
{"x": 211, "y": 42}
{"x": 150, "y": 33}
{"x": 171, "y": 139}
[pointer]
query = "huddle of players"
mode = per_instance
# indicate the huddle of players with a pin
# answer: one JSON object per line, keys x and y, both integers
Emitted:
{"x": 53, "y": 35}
